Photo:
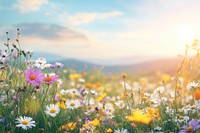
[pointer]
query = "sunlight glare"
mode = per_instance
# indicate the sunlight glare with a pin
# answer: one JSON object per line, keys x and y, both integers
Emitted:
{"x": 186, "y": 34}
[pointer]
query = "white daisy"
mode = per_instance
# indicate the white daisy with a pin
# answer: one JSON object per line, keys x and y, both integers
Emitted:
{"x": 159, "y": 90}
{"x": 120, "y": 104}
{"x": 25, "y": 122}
{"x": 72, "y": 104}
{"x": 192, "y": 85}
{"x": 121, "y": 131}
{"x": 52, "y": 110}
{"x": 64, "y": 92}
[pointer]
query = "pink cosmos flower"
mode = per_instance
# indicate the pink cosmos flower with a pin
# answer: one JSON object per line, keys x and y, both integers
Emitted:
{"x": 33, "y": 77}
{"x": 50, "y": 78}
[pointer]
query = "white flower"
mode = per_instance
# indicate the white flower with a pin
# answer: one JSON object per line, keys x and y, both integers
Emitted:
{"x": 47, "y": 65}
{"x": 192, "y": 85}
{"x": 59, "y": 65}
{"x": 74, "y": 92}
{"x": 52, "y": 110}
{"x": 72, "y": 104}
{"x": 159, "y": 90}
{"x": 120, "y": 104}
{"x": 181, "y": 119}
{"x": 59, "y": 83}
{"x": 121, "y": 131}
{"x": 25, "y": 122}
{"x": 64, "y": 92}
{"x": 157, "y": 128}
{"x": 82, "y": 80}
{"x": 93, "y": 92}
{"x": 40, "y": 63}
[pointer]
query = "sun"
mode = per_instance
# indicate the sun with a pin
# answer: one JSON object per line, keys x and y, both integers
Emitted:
{"x": 186, "y": 34}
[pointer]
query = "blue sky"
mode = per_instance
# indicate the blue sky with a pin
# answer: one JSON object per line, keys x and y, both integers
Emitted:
{"x": 106, "y": 29}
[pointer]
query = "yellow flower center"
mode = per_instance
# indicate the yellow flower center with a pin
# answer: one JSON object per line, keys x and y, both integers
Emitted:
{"x": 189, "y": 129}
{"x": 72, "y": 104}
{"x": 48, "y": 78}
{"x": 24, "y": 122}
{"x": 32, "y": 77}
{"x": 120, "y": 104}
{"x": 52, "y": 111}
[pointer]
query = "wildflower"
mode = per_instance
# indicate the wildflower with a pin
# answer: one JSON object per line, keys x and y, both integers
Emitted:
{"x": 33, "y": 76}
{"x": 192, "y": 126}
{"x": 158, "y": 129}
{"x": 109, "y": 130}
{"x": 52, "y": 110}
{"x": 181, "y": 119}
{"x": 2, "y": 120}
{"x": 59, "y": 65}
{"x": 57, "y": 97}
{"x": 192, "y": 85}
{"x": 59, "y": 83}
{"x": 197, "y": 95}
{"x": 64, "y": 92}
{"x": 144, "y": 99}
{"x": 139, "y": 117}
{"x": 61, "y": 105}
{"x": 72, "y": 104}
{"x": 159, "y": 90}
{"x": 40, "y": 63}
{"x": 47, "y": 65}
{"x": 95, "y": 122}
{"x": 120, "y": 104}
{"x": 69, "y": 126}
{"x": 166, "y": 78}
{"x": 25, "y": 122}
{"x": 50, "y": 78}
{"x": 121, "y": 131}
{"x": 124, "y": 76}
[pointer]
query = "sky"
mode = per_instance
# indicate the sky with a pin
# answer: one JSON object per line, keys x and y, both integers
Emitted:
{"x": 104, "y": 29}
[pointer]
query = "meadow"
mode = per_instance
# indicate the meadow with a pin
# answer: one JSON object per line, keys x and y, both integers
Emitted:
{"x": 39, "y": 97}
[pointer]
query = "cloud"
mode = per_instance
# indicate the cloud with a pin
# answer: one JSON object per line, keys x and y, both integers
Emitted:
{"x": 87, "y": 17}
{"x": 25, "y": 6}
{"x": 52, "y": 34}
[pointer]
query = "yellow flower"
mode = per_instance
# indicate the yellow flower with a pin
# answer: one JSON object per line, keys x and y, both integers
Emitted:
{"x": 61, "y": 105}
{"x": 165, "y": 78}
{"x": 153, "y": 113}
{"x": 139, "y": 117}
{"x": 74, "y": 76}
{"x": 71, "y": 125}
{"x": 101, "y": 97}
{"x": 65, "y": 71}
{"x": 109, "y": 130}
{"x": 95, "y": 122}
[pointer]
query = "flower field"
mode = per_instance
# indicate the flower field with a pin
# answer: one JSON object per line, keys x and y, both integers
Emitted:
{"x": 39, "y": 97}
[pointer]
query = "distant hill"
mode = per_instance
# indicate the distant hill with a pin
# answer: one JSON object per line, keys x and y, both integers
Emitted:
{"x": 166, "y": 65}
{"x": 137, "y": 67}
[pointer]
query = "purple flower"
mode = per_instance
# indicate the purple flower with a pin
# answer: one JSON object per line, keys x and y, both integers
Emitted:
{"x": 33, "y": 76}
{"x": 52, "y": 66}
{"x": 87, "y": 119}
{"x": 2, "y": 120}
{"x": 81, "y": 90}
{"x": 50, "y": 78}
{"x": 192, "y": 126}
{"x": 15, "y": 97}
{"x": 59, "y": 65}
